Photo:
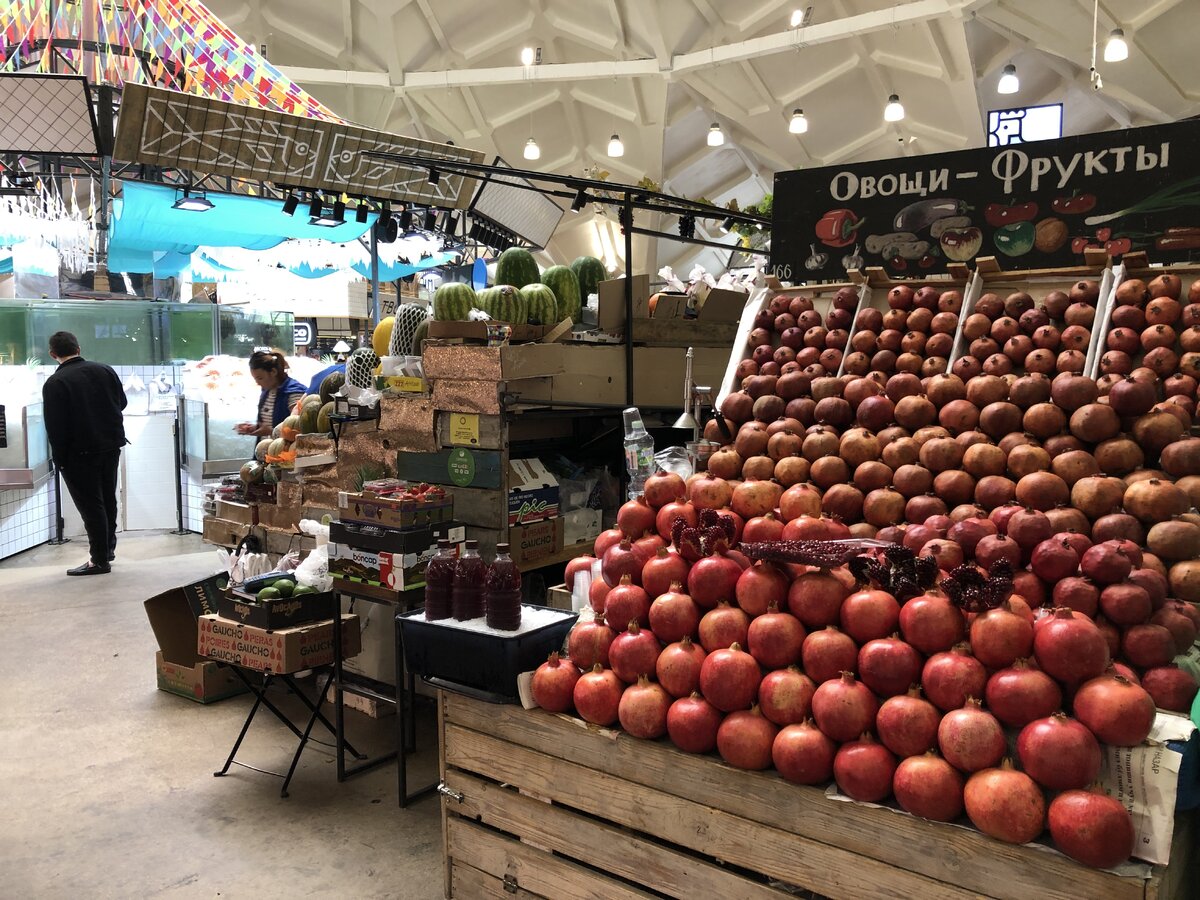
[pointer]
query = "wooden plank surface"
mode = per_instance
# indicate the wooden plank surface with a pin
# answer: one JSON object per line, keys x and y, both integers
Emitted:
{"x": 683, "y": 333}
{"x": 434, "y": 468}
{"x": 696, "y": 826}
{"x": 491, "y": 432}
{"x": 470, "y": 883}
{"x": 952, "y": 855}
{"x": 615, "y": 850}
{"x": 480, "y": 507}
{"x": 534, "y": 870}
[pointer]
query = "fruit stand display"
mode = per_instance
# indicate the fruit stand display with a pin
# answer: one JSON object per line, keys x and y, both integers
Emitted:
{"x": 963, "y": 586}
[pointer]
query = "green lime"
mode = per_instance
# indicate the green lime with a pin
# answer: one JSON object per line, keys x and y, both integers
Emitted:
{"x": 285, "y": 587}
{"x": 303, "y": 589}
{"x": 269, "y": 593}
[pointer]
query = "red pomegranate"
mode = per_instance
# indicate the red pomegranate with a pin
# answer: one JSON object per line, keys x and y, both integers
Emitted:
{"x": 1000, "y": 636}
{"x": 666, "y": 568}
{"x": 951, "y": 677}
{"x": 868, "y": 615}
{"x": 1070, "y": 647}
{"x": 633, "y": 653}
{"x": 1005, "y": 804}
{"x": 1170, "y": 687}
{"x": 759, "y": 586}
{"x": 827, "y": 653}
{"x": 1125, "y": 604}
{"x": 621, "y": 560}
{"x": 636, "y": 517}
{"x": 888, "y": 666}
{"x": 643, "y": 708}
{"x": 723, "y": 626}
{"x": 803, "y": 754}
{"x": 864, "y": 769}
{"x": 785, "y": 696}
{"x": 1054, "y": 559}
{"x": 692, "y": 724}
{"x": 729, "y": 679}
{"x": 907, "y": 724}
{"x": 575, "y": 566}
{"x": 675, "y": 509}
{"x": 589, "y": 642}
{"x": 1091, "y": 828}
{"x": 1059, "y": 753}
{"x": 745, "y": 739}
{"x": 674, "y": 615}
{"x": 775, "y": 638}
{"x": 929, "y": 787}
{"x": 971, "y": 739}
{"x": 816, "y": 599}
{"x": 931, "y": 623}
{"x": 678, "y": 667}
{"x": 844, "y": 708}
{"x": 553, "y": 684}
{"x": 1117, "y": 711}
{"x": 607, "y": 539}
{"x": 1020, "y": 694}
{"x": 713, "y": 579}
{"x": 627, "y": 603}
{"x": 597, "y": 696}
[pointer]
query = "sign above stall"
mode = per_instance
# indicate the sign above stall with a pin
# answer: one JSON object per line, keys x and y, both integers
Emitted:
{"x": 302, "y": 334}
{"x": 165, "y": 128}
{"x": 1030, "y": 206}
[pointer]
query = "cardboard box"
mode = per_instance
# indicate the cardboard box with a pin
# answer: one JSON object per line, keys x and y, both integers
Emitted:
{"x": 610, "y": 302}
{"x": 721, "y": 305}
{"x": 240, "y": 513}
{"x": 377, "y": 630}
{"x": 173, "y": 618}
{"x": 281, "y": 518}
{"x": 390, "y": 540}
{"x": 581, "y": 525}
{"x": 390, "y": 571}
{"x": 281, "y": 612}
{"x": 593, "y": 375}
{"x": 223, "y": 533}
{"x": 368, "y": 706}
{"x": 535, "y": 542}
{"x": 279, "y": 543}
{"x": 462, "y": 467}
{"x": 532, "y": 492}
{"x": 670, "y": 306}
{"x": 388, "y": 512}
{"x": 505, "y": 363}
{"x": 478, "y": 331}
{"x": 281, "y": 652}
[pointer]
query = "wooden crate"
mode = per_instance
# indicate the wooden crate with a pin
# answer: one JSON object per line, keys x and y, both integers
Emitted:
{"x": 550, "y": 808}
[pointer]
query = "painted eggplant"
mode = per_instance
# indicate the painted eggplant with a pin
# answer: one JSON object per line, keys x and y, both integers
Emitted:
{"x": 922, "y": 214}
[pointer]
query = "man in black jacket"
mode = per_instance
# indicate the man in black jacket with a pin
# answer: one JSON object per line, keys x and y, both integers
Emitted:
{"x": 83, "y": 403}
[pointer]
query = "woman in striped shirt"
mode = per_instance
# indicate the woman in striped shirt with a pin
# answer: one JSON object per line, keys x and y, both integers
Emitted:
{"x": 280, "y": 393}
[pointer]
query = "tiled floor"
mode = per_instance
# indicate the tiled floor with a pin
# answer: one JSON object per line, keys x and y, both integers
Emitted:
{"x": 107, "y": 782}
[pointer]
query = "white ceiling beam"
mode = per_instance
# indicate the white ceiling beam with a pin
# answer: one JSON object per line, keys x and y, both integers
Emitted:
{"x": 630, "y": 68}
{"x": 1148, "y": 13}
{"x": 949, "y": 38}
{"x": 823, "y": 77}
{"x": 906, "y": 63}
{"x": 763, "y": 12}
{"x": 584, "y": 34}
{"x": 310, "y": 75}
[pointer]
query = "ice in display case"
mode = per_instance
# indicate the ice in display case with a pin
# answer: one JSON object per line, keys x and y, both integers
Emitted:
{"x": 211, "y": 446}
{"x": 26, "y": 459}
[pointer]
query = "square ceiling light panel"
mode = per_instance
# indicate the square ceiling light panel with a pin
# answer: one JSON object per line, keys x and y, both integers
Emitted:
{"x": 517, "y": 206}
{"x": 49, "y": 114}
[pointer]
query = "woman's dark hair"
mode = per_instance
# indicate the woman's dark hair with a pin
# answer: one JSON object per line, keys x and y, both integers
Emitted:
{"x": 63, "y": 343}
{"x": 269, "y": 361}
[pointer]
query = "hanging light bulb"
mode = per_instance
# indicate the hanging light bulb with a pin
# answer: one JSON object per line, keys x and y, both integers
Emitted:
{"x": 716, "y": 137}
{"x": 1009, "y": 83}
{"x": 615, "y": 147}
{"x": 798, "y": 124}
{"x": 893, "y": 112}
{"x": 1116, "y": 49}
{"x": 527, "y": 56}
{"x": 532, "y": 150}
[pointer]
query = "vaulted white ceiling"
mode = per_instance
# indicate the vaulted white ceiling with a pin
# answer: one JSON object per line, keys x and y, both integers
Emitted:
{"x": 660, "y": 71}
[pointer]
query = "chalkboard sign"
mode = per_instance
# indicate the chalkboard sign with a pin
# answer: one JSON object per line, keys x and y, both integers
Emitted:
{"x": 1031, "y": 206}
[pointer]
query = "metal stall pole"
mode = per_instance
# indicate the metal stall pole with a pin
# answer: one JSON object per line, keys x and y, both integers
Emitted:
{"x": 376, "y": 308}
{"x": 627, "y": 215}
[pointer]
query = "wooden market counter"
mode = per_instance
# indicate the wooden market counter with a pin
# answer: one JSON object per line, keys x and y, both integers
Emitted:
{"x": 537, "y": 805}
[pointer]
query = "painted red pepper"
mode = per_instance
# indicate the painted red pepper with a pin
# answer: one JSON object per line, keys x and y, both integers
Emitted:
{"x": 998, "y": 214}
{"x": 1074, "y": 206}
{"x": 1117, "y": 246}
{"x": 838, "y": 228}
{"x": 1103, "y": 234}
{"x": 899, "y": 263}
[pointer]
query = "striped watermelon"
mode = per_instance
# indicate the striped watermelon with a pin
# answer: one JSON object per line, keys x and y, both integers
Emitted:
{"x": 590, "y": 272}
{"x": 409, "y": 317}
{"x": 543, "y": 305}
{"x": 516, "y": 266}
{"x": 453, "y": 302}
{"x": 565, "y": 285}
{"x": 508, "y": 304}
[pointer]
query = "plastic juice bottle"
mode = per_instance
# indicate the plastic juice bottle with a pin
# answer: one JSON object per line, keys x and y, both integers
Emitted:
{"x": 466, "y": 596}
{"x": 639, "y": 451}
{"x": 502, "y": 592}
{"x": 439, "y": 582}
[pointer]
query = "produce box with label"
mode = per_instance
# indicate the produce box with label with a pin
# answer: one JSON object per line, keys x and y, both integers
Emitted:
{"x": 418, "y": 506}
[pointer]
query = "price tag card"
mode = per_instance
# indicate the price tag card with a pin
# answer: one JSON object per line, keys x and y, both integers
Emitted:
{"x": 464, "y": 429}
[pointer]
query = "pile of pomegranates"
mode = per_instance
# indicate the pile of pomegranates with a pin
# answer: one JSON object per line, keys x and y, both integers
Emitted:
{"x": 828, "y": 677}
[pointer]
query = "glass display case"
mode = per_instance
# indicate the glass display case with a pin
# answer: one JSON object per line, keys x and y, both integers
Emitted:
{"x": 26, "y": 459}
{"x": 211, "y": 446}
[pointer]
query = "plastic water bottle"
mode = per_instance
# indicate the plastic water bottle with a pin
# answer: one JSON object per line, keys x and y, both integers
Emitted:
{"x": 466, "y": 597}
{"x": 639, "y": 451}
{"x": 439, "y": 582}
{"x": 502, "y": 592}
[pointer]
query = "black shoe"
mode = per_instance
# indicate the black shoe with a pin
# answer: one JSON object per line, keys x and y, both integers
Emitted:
{"x": 88, "y": 569}
{"x": 112, "y": 556}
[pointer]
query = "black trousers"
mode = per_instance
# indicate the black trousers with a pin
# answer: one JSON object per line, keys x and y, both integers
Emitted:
{"x": 91, "y": 479}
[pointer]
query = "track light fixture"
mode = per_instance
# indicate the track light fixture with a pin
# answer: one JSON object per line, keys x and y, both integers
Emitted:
{"x": 406, "y": 220}
{"x": 1008, "y": 83}
{"x": 334, "y": 219}
{"x": 434, "y": 176}
{"x": 360, "y": 215}
{"x": 192, "y": 201}
{"x": 290, "y": 205}
{"x": 727, "y": 225}
{"x": 315, "y": 207}
{"x": 430, "y": 221}
{"x": 580, "y": 201}
{"x": 687, "y": 226}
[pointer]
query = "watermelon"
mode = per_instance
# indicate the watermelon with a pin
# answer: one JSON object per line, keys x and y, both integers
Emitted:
{"x": 516, "y": 266}
{"x": 590, "y": 272}
{"x": 543, "y": 305}
{"x": 419, "y": 338}
{"x": 453, "y": 302}
{"x": 382, "y": 335}
{"x": 409, "y": 317}
{"x": 507, "y": 304}
{"x": 360, "y": 368}
{"x": 330, "y": 385}
{"x": 323, "y": 426}
{"x": 565, "y": 285}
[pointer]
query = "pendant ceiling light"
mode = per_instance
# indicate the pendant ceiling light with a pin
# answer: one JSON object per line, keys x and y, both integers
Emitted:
{"x": 615, "y": 147}
{"x": 1009, "y": 83}
{"x": 527, "y": 56}
{"x": 532, "y": 150}
{"x": 716, "y": 137}
{"x": 798, "y": 124}
{"x": 893, "y": 112}
{"x": 1116, "y": 49}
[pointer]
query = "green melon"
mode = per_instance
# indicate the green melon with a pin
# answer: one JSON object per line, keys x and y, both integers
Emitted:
{"x": 308, "y": 418}
{"x": 271, "y": 474}
{"x": 260, "y": 451}
{"x": 311, "y": 400}
{"x": 453, "y": 302}
{"x": 278, "y": 445}
{"x": 590, "y": 272}
{"x": 506, "y": 303}
{"x": 251, "y": 472}
{"x": 565, "y": 285}
{"x": 289, "y": 428}
{"x": 409, "y": 317}
{"x": 277, "y": 432}
{"x": 360, "y": 368}
{"x": 331, "y": 384}
{"x": 323, "y": 426}
{"x": 419, "y": 337}
{"x": 516, "y": 266}
{"x": 543, "y": 305}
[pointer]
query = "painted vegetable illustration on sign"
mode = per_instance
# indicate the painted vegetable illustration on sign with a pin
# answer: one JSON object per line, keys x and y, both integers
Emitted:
{"x": 999, "y": 214}
{"x": 922, "y": 214}
{"x": 961, "y": 245}
{"x": 1074, "y": 205}
{"x": 838, "y": 228}
{"x": 1016, "y": 239}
